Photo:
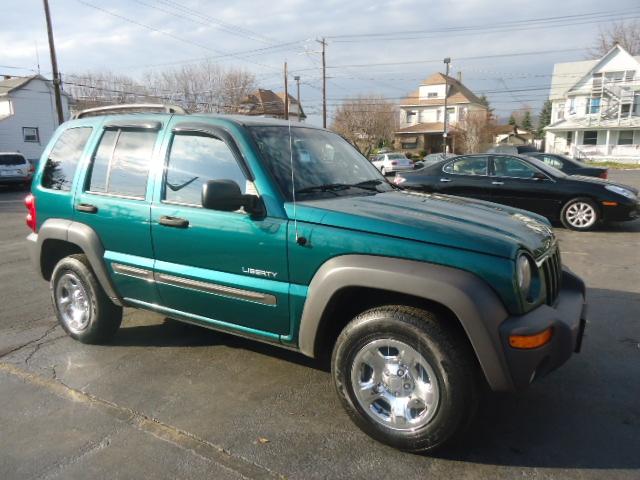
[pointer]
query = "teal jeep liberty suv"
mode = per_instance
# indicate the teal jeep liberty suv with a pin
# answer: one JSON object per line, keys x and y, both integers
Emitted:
{"x": 284, "y": 233}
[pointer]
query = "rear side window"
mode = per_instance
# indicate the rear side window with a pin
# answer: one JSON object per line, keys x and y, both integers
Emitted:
{"x": 195, "y": 159}
{"x": 121, "y": 163}
{"x": 468, "y": 166}
{"x": 64, "y": 157}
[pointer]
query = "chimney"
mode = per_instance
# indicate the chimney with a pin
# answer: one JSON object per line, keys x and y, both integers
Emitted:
{"x": 459, "y": 76}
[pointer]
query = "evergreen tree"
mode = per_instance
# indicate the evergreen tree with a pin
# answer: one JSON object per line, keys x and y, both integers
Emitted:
{"x": 485, "y": 102}
{"x": 526, "y": 121}
{"x": 544, "y": 119}
{"x": 512, "y": 120}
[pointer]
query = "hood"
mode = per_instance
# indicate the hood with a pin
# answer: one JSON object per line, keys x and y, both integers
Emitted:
{"x": 433, "y": 218}
{"x": 600, "y": 181}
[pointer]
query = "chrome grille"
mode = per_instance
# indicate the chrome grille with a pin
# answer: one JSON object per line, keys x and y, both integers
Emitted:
{"x": 551, "y": 268}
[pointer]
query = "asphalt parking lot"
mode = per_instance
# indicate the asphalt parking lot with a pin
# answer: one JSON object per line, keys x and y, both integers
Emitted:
{"x": 168, "y": 400}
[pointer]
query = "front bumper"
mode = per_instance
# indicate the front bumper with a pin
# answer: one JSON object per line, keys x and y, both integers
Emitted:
{"x": 567, "y": 318}
{"x": 629, "y": 210}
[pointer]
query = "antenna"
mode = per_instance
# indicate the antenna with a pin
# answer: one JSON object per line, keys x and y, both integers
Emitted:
{"x": 37, "y": 56}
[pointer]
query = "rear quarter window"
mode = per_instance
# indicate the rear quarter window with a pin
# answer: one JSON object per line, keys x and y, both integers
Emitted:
{"x": 64, "y": 157}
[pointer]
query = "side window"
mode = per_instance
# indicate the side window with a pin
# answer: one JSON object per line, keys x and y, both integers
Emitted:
{"x": 64, "y": 157}
{"x": 468, "y": 166}
{"x": 195, "y": 159}
{"x": 551, "y": 161}
{"x": 121, "y": 163}
{"x": 512, "y": 167}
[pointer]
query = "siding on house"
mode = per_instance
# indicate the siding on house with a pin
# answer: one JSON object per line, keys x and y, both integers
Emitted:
{"x": 31, "y": 105}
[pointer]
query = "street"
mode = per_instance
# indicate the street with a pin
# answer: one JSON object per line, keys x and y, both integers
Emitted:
{"x": 170, "y": 400}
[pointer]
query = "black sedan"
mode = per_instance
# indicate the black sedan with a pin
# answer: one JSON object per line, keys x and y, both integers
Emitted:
{"x": 569, "y": 165}
{"x": 526, "y": 183}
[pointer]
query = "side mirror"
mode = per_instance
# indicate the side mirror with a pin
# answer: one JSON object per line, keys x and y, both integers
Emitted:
{"x": 539, "y": 176}
{"x": 225, "y": 195}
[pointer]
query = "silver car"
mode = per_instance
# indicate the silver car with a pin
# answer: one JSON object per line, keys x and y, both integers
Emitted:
{"x": 15, "y": 169}
{"x": 392, "y": 162}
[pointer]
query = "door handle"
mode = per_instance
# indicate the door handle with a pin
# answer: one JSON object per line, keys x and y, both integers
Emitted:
{"x": 87, "y": 208}
{"x": 445, "y": 180}
{"x": 497, "y": 183}
{"x": 174, "y": 222}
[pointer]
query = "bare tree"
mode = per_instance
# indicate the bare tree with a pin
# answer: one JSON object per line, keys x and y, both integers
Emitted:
{"x": 204, "y": 87}
{"x": 626, "y": 34}
{"x": 366, "y": 121}
{"x": 474, "y": 131}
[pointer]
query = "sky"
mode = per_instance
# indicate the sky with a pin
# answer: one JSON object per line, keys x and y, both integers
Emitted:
{"x": 504, "y": 49}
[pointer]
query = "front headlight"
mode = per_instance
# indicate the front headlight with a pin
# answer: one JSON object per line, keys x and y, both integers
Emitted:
{"x": 620, "y": 191}
{"x": 523, "y": 272}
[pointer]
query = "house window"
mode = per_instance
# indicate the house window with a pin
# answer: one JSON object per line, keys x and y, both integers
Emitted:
{"x": 625, "y": 108}
{"x": 572, "y": 106}
{"x": 560, "y": 111}
{"x": 30, "y": 134}
{"x": 411, "y": 117}
{"x": 590, "y": 137}
{"x": 569, "y": 138}
{"x": 432, "y": 95}
{"x": 625, "y": 137}
{"x": 593, "y": 106}
{"x": 438, "y": 114}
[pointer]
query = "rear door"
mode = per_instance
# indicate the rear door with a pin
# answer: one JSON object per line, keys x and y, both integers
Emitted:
{"x": 226, "y": 269}
{"x": 514, "y": 183}
{"x": 466, "y": 176}
{"x": 115, "y": 201}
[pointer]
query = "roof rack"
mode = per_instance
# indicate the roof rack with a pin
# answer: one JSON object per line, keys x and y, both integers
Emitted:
{"x": 130, "y": 108}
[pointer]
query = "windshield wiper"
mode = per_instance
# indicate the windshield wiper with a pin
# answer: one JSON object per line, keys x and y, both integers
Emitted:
{"x": 334, "y": 187}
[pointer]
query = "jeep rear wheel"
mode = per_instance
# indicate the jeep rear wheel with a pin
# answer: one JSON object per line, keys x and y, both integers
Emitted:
{"x": 82, "y": 307}
{"x": 405, "y": 378}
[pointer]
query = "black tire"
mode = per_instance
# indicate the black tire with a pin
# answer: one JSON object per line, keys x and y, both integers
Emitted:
{"x": 451, "y": 359}
{"x": 567, "y": 223}
{"x": 104, "y": 317}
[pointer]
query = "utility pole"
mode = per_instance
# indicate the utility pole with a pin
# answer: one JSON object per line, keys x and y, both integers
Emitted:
{"x": 297, "y": 79}
{"x": 286, "y": 94}
{"x": 324, "y": 83}
{"x": 54, "y": 63}
{"x": 447, "y": 61}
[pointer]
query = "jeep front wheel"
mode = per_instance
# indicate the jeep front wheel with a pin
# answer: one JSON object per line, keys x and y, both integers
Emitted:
{"x": 83, "y": 309}
{"x": 405, "y": 377}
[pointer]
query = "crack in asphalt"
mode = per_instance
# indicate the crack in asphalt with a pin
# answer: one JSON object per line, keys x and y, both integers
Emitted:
{"x": 152, "y": 426}
{"x": 29, "y": 343}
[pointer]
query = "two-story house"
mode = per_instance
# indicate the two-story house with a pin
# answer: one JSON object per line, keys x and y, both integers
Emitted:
{"x": 421, "y": 125}
{"x": 266, "y": 103}
{"x": 596, "y": 108}
{"x": 28, "y": 115}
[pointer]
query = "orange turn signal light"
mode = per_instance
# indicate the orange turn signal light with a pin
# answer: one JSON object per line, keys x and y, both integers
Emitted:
{"x": 610, "y": 204}
{"x": 531, "y": 341}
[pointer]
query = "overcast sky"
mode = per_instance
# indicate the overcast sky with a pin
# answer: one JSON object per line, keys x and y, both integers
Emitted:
{"x": 131, "y": 36}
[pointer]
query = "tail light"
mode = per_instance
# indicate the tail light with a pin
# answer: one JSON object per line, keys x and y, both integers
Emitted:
{"x": 30, "y": 203}
{"x": 398, "y": 180}
{"x": 394, "y": 163}
{"x": 32, "y": 169}
{"x": 604, "y": 174}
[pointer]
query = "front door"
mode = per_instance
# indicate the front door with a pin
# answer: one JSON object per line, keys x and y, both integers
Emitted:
{"x": 227, "y": 269}
{"x": 114, "y": 200}
{"x": 521, "y": 185}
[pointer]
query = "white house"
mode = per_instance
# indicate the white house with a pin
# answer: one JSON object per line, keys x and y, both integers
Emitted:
{"x": 28, "y": 115}
{"x": 596, "y": 108}
{"x": 422, "y": 113}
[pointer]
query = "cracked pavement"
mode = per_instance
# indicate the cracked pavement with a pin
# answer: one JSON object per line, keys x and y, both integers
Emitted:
{"x": 169, "y": 400}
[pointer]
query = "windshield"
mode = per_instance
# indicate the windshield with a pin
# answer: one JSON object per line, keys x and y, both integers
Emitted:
{"x": 11, "y": 159}
{"x": 320, "y": 159}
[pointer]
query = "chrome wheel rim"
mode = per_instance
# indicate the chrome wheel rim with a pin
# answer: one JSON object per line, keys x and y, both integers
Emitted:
{"x": 395, "y": 385}
{"x": 72, "y": 302}
{"x": 581, "y": 215}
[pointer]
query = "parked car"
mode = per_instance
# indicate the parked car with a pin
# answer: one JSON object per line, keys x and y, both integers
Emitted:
{"x": 288, "y": 235}
{"x": 527, "y": 183}
{"x": 15, "y": 169}
{"x": 513, "y": 149}
{"x": 570, "y": 166}
{"x": 392, "y": 162}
